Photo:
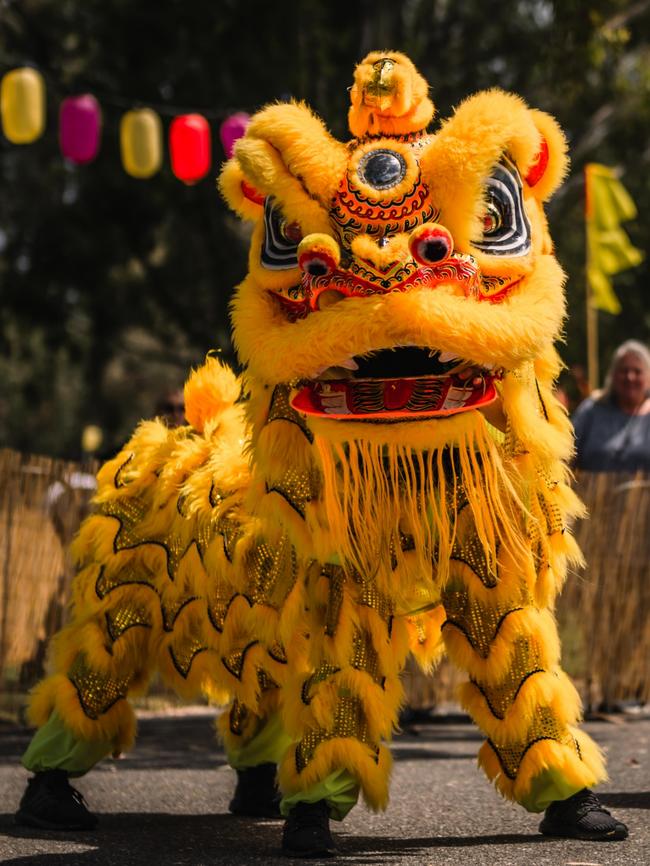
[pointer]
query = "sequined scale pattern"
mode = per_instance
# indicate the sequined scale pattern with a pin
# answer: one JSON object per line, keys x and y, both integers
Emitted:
{"x": 349, "y": 723}
{"x": 97, "y": 691}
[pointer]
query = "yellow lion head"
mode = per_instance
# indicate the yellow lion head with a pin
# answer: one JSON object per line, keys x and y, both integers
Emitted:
{"x": 404, "y": 274}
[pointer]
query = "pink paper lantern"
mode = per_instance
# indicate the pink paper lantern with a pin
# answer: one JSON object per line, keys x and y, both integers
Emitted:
{"x": 190, "y": 147}
{"x": 80, "y": 124}
{"x": 232, "y": 129}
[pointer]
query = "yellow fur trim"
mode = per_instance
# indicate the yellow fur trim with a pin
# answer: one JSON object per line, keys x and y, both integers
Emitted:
{"x": 426, "y": 643}
{"x": 558, "y": 163}
{"x": 541, "y": 689}
{"x": 370, "y": 769}
{"x": 528, "y": 622}
{"x": 117, "y": 725}
{"x": 306, "y": 149}
{"x": 584, "y": 770}
{"x": 230, "y": 186}
{"x": 209, "y": 390}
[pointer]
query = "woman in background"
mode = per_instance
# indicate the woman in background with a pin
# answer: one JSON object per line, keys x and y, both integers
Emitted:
{"x": 613, "y": 427}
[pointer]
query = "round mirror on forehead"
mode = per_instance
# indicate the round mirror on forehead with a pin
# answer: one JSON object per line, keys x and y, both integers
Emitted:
{"x": 382, "y": 169}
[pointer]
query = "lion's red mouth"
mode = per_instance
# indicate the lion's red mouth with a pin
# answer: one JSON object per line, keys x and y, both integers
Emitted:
{"x": 394, "y": 399}
{"x": 397, "y": 384}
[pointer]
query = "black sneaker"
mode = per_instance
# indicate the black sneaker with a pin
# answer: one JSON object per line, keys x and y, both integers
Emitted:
{"x": 582, "y": 816}
{"x": 256, "y": 794}
{"x": 307, "y": 831}
{"x": 51, "y": 803}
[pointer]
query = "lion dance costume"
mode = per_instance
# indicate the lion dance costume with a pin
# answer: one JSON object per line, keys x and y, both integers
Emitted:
{"x": 392, "y": 480}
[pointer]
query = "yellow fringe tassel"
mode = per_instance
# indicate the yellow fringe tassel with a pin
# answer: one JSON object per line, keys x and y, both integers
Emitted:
{"x": 376, "y": 489}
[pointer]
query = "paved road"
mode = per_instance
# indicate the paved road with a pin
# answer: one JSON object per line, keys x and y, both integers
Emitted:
{"x": 166, "y": 805}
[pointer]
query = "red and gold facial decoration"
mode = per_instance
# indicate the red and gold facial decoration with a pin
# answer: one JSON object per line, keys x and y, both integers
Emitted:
{"x": 396, "y": 277}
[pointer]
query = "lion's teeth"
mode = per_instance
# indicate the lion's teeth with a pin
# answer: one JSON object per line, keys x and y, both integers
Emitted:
{"x": 448, "y": 356}
{"x": 350, "y": 364}
{"x": 457, "y": 397}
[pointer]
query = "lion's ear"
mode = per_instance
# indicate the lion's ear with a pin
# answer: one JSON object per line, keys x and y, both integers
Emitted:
{"x": 547, "y": 171}
{"x": 242, "y": 197}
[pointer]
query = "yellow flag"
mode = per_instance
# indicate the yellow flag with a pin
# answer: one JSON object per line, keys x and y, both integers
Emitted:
{"x": 609, "y": 250}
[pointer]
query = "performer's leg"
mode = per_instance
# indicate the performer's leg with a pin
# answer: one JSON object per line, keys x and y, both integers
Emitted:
{"x": 341, "y": 710}
{"x": 254, "y": 745}
{"x": 54, "y": 747}
{"x": 517, "y": 692}
{"x": 82, "y": 710}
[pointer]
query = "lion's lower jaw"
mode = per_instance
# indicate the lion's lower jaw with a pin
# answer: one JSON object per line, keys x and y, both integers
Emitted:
{"x": 394, "y": 400}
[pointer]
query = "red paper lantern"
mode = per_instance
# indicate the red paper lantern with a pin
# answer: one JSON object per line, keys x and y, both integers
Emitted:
{"x": 80, "y": 124}
{"x": 232, "y": 129}
{"x": 190, "y": 147}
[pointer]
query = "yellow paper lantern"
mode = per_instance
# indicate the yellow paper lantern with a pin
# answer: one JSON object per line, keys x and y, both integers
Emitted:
{"x": 22, "y": 105}
{"x": 141, "y": 142}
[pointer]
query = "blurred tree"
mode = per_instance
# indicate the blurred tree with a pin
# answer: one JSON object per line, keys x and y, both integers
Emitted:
{"x": 111, "y": 287}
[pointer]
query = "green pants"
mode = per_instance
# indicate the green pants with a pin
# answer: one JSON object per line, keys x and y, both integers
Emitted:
{"x": 54, "y": 747}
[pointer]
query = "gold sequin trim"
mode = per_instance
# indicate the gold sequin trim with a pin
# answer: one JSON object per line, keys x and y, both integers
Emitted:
{"x": 297, "y": 488}
{"x": 323, "y": 673}
{"x": 130, "y": 513}
{"x": 171, "y": 610}
{"x": 230, "y": 530}
{"x": 552, "y": 515}
{"x": 97, "y": 692}
{"x": 266, "y": 681}
{"x": 277, "y": 653}
{"x": 124, "y": 617}
{"x": 204, "y": 535}
{"x": 336, "y": 576}
{"x": 479, "y": 623}
{"x": 234, "y": 663}
{"x": 371, "y": 597}
{"x": 281, "y": 410}
{"x": 121, "y": 479}
{"x": 544, "y": 727}
{"x": 349, "y": 721}
{"x": 183, "y": 655}
{"x": 472, "y": 553}
{"x": 219, "y": 605}
{"x": 237, "y": 718}
{"x": 271, "y": 572}
{"x": 525, "y": 662}
{"x": 364, "y": 655}
{"x": 128, "y": 575}
{"x": 420, "y": 629}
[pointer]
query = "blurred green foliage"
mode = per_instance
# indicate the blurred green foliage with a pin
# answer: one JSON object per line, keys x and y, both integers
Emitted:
{"x": 111, "y": 288}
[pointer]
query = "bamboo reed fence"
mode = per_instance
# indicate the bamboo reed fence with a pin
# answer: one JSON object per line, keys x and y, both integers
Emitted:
{"x": 604, "y": 612}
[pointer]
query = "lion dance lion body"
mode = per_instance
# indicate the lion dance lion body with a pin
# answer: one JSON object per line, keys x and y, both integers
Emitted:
{"x": 395, "y": 481}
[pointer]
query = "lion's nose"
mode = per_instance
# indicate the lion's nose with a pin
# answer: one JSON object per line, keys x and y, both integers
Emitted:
{"x": 318, "y": 255}
{"x": 431, "y": 244}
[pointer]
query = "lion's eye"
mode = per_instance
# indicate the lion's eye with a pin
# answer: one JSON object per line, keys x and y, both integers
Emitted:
{"x": 492, "y": 219}
{"x": 281, "y": 239}
{"x": 506, "y": 229}
{"x": 290, "y": 232}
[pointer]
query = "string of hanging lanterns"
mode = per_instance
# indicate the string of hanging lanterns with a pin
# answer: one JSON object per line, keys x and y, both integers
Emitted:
{"x": 23, "y": 112}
